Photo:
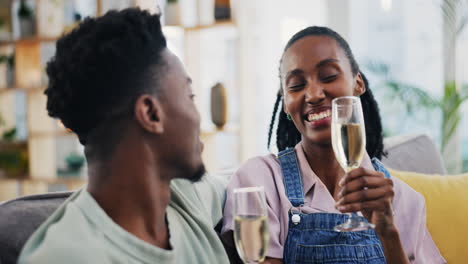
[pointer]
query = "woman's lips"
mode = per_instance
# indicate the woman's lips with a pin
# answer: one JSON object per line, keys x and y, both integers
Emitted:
{"x": 319, "y": 119}
{"x": 325, "y": 122}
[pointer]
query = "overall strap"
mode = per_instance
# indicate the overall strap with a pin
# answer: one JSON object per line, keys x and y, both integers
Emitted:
{"x": 292, "y": 176}
{"x": 378, "y": 166}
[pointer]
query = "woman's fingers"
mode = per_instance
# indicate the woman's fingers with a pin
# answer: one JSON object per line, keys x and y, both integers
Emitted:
{"x": 365, "y": 190}
{"x": 362, "y": 178}
{"x": 358, "y": 173}
{"x": 366, "y": 194}
{"x": 382, "y": 204}
{"x": 364, "y": 182}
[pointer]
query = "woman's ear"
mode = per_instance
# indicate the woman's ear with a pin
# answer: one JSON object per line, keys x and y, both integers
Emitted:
{"x": 149, "y": 114}
{"x": 360, "y": 86}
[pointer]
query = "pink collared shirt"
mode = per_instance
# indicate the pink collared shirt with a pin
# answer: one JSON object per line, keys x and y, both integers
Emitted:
{"x": 408, "y": 205}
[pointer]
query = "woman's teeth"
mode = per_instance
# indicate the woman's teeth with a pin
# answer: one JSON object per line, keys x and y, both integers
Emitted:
{"x": 317, "y": 116}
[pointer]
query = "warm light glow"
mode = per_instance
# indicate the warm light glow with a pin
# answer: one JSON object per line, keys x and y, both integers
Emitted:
{"x": 386, "y": 5}
{"x": 62, "y": 126}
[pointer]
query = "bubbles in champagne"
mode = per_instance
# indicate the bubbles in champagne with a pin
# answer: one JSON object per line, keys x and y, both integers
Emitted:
{"x": 348, "y": 144}
{"x": 251, "y": 237}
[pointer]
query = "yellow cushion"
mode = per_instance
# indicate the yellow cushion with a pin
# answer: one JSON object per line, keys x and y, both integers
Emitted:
{"x": 447, "y": 210}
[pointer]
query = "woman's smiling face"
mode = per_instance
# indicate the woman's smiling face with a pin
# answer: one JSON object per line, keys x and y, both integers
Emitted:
{"x": 314, "y": 71}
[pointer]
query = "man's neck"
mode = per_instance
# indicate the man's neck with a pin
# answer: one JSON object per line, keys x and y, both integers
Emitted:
{"x": 133, "y": 194}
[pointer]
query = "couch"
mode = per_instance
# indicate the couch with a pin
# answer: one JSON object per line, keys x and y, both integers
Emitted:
{"x": 20, "y": 217}
{"x": 419, "y": 150}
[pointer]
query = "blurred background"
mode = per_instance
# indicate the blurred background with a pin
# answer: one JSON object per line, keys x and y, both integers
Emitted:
{"x": 414, "y": 53}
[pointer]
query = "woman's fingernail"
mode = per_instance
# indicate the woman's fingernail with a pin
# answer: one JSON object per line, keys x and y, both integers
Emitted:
{"x": 340, "y": 208}
{"x": 341, "y": 182}
{"x": 340, "y": 201}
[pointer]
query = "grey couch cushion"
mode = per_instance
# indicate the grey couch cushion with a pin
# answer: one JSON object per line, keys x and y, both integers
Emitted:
{"x": 19, "y": 218}
{"x": 416, "y": 153}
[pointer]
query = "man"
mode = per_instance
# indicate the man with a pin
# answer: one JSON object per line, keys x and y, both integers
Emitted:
{"x": 129, "y": 100}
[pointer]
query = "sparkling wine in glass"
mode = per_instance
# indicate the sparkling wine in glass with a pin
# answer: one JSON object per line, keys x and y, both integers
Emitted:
{"x": 251, "y": 234}
{"x": 349, "y": 146}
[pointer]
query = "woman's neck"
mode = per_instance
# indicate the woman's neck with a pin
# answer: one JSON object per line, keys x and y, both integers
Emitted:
{"x": 322, "y": 161}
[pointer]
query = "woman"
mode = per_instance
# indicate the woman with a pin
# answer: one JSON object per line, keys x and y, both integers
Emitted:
{"x": 317, "y": 66}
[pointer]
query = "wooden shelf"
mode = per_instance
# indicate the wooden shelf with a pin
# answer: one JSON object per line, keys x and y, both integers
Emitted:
{"x": 230, "y": 129}
{"x": 59, "y": 133}
{"x": 220, "y": 23}
{"x": 26, "y": 90}
{"x": 11, "y": 188}
{"x": 29, "y": 40}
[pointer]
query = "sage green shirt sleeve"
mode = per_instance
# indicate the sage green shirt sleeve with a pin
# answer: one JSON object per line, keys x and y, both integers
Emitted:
{"x": 212, "y": 193}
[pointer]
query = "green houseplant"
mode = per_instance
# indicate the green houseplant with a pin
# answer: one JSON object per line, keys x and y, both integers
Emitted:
{"x": 455, "y": 19}
{"x": 413, "y": 97}
{"x": 13, "y": 154}
{"x": 26, "y": 19}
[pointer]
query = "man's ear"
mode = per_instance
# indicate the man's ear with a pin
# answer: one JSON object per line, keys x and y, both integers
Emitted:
{"x": 149, "y": 114}
{"x": 360, "y": 86}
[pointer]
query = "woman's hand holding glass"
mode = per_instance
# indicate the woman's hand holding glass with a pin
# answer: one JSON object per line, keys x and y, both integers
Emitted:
{"x": 371, "y": 193}
{"x": 349, "y": 146}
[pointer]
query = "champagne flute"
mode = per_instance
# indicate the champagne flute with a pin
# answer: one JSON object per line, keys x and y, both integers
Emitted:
{"x": 349, "y": 145}
{"x": 251, "y": 224}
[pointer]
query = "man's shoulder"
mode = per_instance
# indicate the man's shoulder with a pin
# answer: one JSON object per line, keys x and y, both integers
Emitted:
{"x": 66, "y": 235}
{"x": 209, "y": 184}
{"x": 206, "y": 195}
{"x": 62, "y": 251}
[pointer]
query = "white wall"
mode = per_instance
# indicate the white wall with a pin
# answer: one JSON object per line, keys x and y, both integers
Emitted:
{"x": 408, "y": 38}
{"x": 264, "y": 28}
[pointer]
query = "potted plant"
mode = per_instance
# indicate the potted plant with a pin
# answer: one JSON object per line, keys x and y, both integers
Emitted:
{"x": 5, "y": 20}
{"x": 3, "y": 29}
{"x": 74, "y": 162}
{"x": 26, "y": 19}
{"x": 74, "y": 165}
{"x": 13, "y": 154}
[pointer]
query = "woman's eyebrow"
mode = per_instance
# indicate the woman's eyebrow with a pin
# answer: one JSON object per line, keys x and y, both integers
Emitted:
{"x": 293, "y": 72}
{"x": 326, "y": 61}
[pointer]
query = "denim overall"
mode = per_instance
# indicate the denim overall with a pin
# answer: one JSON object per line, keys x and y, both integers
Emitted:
{"x": 313, "y": 239}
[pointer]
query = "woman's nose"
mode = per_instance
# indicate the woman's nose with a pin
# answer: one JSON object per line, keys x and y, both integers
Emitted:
{"x": 314, "y": 93}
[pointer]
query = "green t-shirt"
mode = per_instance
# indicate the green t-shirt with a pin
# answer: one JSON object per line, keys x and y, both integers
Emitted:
{"x": 81, "y": 232}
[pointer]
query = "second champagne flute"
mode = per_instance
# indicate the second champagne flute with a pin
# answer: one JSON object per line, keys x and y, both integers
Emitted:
{"x": 251, "y": 233}
{"x": 349, "y": 146}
